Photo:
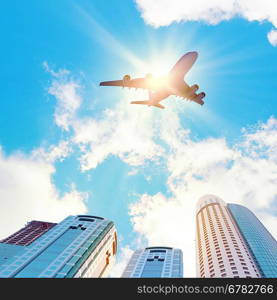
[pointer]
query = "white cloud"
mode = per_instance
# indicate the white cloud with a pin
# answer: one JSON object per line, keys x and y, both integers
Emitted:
{"x": 122, "y": 260}
{"x": 167, "y": 222}
{"x": 262, "y": 141}
{"x": 28, "y": 193}
{"x": 132, "y": 172}
{"x": 65, "y": 90}
{"x": 245, "y": 174}
{"x": 54, "y": 153}
{"x": 59, "y": 74}
{"x": 125, "y": 132}
{"x": 164, "y": 12}
{"x": 272, "y": 37}
{"x": 68, "y": 102}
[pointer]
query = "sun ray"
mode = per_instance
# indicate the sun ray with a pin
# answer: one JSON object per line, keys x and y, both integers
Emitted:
{"x": 104, "y": 37}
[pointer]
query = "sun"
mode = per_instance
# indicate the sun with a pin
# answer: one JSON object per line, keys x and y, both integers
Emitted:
{"x": 158, "y": 64}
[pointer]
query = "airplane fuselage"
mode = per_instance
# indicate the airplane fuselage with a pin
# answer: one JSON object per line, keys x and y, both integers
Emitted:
{"x": 179, "y": 88}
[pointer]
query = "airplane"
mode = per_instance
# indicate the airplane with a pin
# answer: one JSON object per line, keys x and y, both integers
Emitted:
{"x": 161, "y": 88}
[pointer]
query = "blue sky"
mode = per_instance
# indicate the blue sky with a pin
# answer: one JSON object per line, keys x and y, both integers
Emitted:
{"x": 95, "y": 41}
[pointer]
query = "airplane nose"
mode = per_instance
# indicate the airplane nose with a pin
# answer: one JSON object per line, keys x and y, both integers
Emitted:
{"x": 194, "y": 53}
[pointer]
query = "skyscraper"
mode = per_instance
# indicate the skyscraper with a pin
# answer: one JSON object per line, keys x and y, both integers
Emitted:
{"x": 79, "y": 246}
{"x": 155, "y": 262}
{"x": 221, "y": 248}
{"x": 29, "y": 233}
{"x": 260, "y": 242}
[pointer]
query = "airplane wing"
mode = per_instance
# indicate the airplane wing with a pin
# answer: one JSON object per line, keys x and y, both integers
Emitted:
{"x": 138, "y": 83}
{"x": 183, "y": 65}
{"x": 198, "y": 98}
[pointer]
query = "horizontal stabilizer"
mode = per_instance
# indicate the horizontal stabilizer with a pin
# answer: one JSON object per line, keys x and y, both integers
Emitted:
{"x": 140, "y": 102}
{"x": 159, "y": 105}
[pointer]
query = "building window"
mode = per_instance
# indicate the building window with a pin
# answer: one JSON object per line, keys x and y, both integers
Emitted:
{"x": 86, "y": 219}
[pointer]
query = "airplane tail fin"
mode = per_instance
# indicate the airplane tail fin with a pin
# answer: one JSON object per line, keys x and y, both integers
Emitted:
{"x": 147, "y": 102}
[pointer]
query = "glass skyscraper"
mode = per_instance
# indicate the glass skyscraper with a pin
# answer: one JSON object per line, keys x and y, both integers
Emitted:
{"x": 155, "y": 262}
{"x": 232, "y": 242}
{"x": 221, "y": 249}
{"x": 79, "y": 246}
{"x": 260, "y": 242}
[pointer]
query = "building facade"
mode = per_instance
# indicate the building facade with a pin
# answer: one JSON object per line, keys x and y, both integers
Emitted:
{"x": 260, "y": 242}
{"x": 29, "y": 233}
{"x": 155, "y": 262}
{"x": 221, "y": 248}
{"x": 79, "y": 246}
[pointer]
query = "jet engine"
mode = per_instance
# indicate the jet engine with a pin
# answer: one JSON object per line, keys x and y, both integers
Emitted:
{"x": 194, "y": 88}
{"x": 199, "y": 97}
{"x": 126, "y": 79}
{"x": 202, "y": 95}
